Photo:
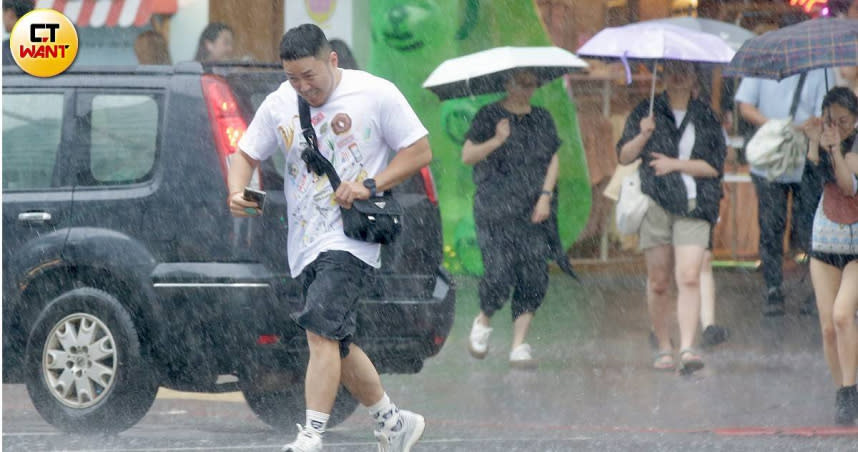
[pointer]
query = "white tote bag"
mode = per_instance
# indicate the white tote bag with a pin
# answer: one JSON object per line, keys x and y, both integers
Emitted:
{"x": 777, "y": 148}
{"x": 632, "y": 205}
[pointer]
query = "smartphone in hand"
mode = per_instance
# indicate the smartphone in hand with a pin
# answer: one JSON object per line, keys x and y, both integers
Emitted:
{"x": 254, "y": 195}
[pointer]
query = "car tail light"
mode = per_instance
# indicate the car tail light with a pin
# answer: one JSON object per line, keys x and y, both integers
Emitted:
{"x": 267, "y": 339}
{"x": 224, "y": 116}
{"x": 429, "y": 185}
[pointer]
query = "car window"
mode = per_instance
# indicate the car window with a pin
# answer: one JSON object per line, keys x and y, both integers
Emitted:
{"x": 32, "y": 126}
{"x": 123, "y": 137}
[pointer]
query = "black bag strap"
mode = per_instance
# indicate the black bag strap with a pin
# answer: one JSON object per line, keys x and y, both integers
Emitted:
{"x": 797, "y": 94}
{"x": 316, "y": 162}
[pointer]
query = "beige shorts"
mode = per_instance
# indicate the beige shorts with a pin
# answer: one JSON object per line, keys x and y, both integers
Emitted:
{"x": 660, "y": 227}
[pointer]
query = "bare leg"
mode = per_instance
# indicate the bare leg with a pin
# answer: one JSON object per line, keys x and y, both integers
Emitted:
{"x": 844, "y": 322}
{"x": 689, "y": 259}
{"x": 520, "y": 328}
{"x": 323, "y": 373}
{"x": 483, "y": 319}
{"x": 360, "y": 377}
{"x": 826, "y": 279}
{"x": 658, "y": 264}
{"x": 707, "y": 291}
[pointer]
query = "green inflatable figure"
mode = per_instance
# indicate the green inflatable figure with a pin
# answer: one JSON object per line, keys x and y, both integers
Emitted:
{"x": 410, "y": 39}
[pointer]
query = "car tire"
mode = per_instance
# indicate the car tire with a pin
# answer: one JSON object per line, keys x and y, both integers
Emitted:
{"x": 85, "y": 369}
{"x": 284, "y": 407}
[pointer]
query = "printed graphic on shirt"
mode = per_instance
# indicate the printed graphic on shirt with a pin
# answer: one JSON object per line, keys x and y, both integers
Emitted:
{"x": 316, "y": 209}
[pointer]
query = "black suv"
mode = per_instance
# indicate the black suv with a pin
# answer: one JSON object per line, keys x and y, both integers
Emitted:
{"x": 123, "y": 270}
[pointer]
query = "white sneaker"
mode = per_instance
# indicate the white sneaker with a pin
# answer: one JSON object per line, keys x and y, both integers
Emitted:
{"x": 522, "y": 358}
{"x": 478, "y": 342}
{"x": 306, "y": 441}
{"x": 412, "y": 428}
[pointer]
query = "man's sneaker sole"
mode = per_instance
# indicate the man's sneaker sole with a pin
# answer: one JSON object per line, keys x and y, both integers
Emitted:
{"x": 475, "y": 353}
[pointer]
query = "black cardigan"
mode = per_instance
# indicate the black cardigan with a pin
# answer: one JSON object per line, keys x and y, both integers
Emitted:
{"x": 668, "y": 191}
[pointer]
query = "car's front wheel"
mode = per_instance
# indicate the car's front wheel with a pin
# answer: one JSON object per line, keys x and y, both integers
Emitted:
{"x": 85, "y": 369}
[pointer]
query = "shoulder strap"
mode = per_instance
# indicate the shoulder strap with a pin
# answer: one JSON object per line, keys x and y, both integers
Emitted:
{"x": 797, "y": 95}
{"x": 314, "y": 159}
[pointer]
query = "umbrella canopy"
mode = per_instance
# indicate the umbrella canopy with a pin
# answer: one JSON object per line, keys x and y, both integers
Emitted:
{"x": 733, "y": 35}
{"x": 812, "y": 44}
{"x": 486, "y": 71}
{"x": 653, "y": 40}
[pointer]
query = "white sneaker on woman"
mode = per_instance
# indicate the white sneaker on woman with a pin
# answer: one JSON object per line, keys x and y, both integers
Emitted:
{"x": 522, "y": 358}
{"x": 478, "y": 341}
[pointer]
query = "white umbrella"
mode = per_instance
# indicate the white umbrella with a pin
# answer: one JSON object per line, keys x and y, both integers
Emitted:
{"x": 654, "y": 41}
{"x": 486, "y": 71}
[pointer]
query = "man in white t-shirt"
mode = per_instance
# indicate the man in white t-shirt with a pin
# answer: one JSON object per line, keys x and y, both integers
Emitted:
{"x": 359, "y": 120}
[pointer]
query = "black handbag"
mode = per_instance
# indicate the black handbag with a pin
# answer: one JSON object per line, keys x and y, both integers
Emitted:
{"x": 377, "y": 219}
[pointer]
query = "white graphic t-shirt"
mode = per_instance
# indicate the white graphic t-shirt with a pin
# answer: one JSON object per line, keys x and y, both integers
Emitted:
{"x": 364, "y": 119}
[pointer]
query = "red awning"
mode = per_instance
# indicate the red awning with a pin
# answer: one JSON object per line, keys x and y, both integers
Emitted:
{"x": 110, "y": 13}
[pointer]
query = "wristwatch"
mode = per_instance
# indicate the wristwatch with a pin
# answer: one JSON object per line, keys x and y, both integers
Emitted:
{"x": 370, "y": 185}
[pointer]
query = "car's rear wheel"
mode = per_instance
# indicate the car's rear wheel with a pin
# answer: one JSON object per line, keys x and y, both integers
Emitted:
{"x": 279, "y": 401}
{"x": 85, "y": 370}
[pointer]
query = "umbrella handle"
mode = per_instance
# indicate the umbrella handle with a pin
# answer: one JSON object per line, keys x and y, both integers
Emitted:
{"x": 652, "y": 88}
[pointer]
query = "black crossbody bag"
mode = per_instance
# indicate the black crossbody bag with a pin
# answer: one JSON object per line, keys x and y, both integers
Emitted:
{"x": 377, "y": 219}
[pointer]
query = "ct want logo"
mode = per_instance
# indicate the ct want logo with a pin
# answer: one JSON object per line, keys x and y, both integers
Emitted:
{"x": 44, "y": 43}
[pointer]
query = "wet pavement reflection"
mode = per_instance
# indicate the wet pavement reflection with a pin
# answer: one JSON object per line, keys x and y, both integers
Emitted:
{"x": 766, "y": 388}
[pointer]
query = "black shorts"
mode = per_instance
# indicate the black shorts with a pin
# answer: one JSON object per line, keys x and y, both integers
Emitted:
{"x": 835, "y": 260}
{"x": 332, "y": 285}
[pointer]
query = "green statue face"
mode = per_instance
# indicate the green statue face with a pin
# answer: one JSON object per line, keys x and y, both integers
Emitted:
{"x": 406, "y": 25}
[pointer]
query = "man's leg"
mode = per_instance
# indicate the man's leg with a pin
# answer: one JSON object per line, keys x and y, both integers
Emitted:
{"x": 360, "y": 377}
{"x": 395, "y": 429}
{"x": 805, "y": 201}
{"x": 772, "y": 208}
{"x": 332, "y": 284}
{"x": 323, "y": 373}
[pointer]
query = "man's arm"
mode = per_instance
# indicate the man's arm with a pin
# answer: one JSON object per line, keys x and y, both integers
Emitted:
{"x": 752, "y": 114}
{"x": 407, "y": 161}
{"x": 241, "y": 169}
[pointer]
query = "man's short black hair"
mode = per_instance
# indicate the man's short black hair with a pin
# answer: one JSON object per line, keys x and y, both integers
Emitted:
{"x": 20, "y": 7}
{"x": 307, "y": 40}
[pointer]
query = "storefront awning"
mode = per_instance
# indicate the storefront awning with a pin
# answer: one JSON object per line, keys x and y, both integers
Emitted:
{"x": 110, "y": 13}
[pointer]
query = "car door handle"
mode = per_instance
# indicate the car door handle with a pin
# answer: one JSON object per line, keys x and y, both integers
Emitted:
{"x": 34, "y": 217}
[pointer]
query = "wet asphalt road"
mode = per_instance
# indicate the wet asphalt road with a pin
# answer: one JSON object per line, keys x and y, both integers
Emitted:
{"x": 766, "y": 389}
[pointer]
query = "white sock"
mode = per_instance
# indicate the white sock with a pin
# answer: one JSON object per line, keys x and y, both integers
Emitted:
{"x": 316, "y": 422}
{"x": 386, "y": 415}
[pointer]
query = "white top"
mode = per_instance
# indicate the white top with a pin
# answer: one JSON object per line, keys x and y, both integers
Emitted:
{"x": 686, "y": 144}
{"x": 364, "y": 119}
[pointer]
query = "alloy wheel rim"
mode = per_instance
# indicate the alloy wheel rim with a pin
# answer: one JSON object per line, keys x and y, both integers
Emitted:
{"x": 79, "y": 360}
